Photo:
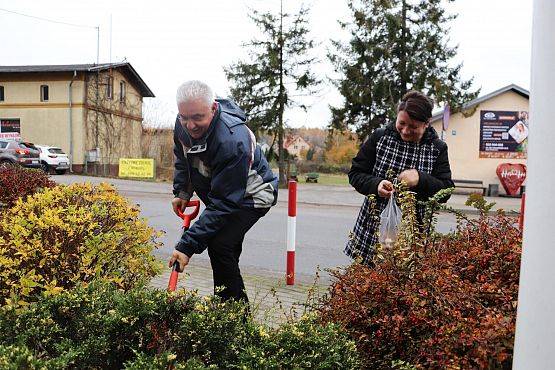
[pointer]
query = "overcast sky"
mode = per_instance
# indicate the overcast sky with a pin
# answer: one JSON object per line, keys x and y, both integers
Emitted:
{"x": 168, "y": 42}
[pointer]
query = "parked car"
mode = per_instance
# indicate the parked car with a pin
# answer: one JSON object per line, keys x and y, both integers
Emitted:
{"x": 53, "y": 158}
{"x": 13, "y": 152}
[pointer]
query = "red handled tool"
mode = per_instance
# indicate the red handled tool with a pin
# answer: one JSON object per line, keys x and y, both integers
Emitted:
{"x": 186, "y": 222}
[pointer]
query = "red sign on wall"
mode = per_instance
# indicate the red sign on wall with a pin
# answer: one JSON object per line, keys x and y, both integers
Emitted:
{"x": 511, "y": 175}
{"x": 10, "y": 128}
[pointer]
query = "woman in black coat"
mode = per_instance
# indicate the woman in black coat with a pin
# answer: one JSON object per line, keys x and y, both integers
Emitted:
{"x": 410, "y": 148}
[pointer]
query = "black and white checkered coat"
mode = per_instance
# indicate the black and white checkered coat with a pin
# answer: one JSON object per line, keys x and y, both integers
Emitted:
{"x": 385, "y": 150}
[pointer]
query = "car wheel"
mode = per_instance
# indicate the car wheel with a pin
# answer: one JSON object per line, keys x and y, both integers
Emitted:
{"x": 45, "y": 167}
{"x": 60, "y": 172}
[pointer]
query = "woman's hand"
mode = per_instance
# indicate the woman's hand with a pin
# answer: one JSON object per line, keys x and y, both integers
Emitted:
{"x": 410, "y": 177}
{"x": 385, "y": 189}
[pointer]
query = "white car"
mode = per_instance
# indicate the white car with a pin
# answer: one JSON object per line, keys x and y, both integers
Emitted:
{"x": 53, "y": 158}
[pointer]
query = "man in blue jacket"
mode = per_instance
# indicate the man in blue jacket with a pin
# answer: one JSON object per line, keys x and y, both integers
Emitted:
{"x": 217, "y": 157}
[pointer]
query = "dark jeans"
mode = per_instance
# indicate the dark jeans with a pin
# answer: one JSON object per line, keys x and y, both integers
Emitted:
{"x": 224, "y": 251}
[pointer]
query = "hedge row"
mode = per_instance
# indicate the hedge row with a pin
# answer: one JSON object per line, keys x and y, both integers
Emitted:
{"x": 99, "y": 326}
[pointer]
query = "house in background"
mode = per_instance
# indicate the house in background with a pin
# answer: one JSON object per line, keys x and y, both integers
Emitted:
{"x": 295, "y": 145}
{"x": 494, "y": 131}
{"x": 92, "y": 111}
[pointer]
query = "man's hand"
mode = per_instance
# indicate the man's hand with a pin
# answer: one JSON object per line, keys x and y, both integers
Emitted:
{"x": 385, "y": 189}
{"x": 179, "y": 204}
{"x": 182, "y": 258}
{"x": 410, "y": 177}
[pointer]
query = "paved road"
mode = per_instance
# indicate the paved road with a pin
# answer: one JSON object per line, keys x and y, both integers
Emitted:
{"x": 321, "y": 230}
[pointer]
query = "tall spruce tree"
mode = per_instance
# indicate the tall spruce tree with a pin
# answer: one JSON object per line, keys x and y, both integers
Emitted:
{"x": 277, "y": 73}
{"x": 394, "y": 46}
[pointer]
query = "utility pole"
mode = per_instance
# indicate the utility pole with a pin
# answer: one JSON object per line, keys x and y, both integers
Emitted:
{"x": 535, "y": 324}
{"x": 97, "y": 44}
{"x": 110, "y": 60}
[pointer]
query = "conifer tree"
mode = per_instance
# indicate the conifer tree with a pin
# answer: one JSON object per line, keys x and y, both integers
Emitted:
{"x": 276, "y": 74}
{"x": 394, "y": 46}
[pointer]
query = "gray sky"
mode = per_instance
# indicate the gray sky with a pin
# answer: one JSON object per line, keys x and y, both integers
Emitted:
{"x": 168, "y": 42}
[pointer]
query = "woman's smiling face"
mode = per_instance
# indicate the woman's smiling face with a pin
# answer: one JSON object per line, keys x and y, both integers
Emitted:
{"x": 409, "y": 129}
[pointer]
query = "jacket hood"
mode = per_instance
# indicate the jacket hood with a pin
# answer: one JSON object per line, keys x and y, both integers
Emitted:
{"x": 230, "y": 107}
{"x": 429, "y": 135}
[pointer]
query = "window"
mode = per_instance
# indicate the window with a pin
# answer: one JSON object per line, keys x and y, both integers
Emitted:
{"x": 3, "y": 144}
{"x": 109, "y": 87}
{"x": 44, "y": 93}
{"x": 56, "y": 151}
{"x": 122, "y": 91}
{"x": 1, "y": 93}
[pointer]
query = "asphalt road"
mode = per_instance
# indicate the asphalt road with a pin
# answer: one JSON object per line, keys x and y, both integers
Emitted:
{"x": 322, "y": 231}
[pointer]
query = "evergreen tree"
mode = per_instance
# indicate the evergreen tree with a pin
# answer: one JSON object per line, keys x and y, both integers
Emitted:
{"x": 276, "y": 74}
{"x": 394, "y": 46}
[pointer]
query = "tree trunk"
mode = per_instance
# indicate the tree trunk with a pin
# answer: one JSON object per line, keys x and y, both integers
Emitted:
{"x": 282, "y": 177}
{"x": 403, "y": 52}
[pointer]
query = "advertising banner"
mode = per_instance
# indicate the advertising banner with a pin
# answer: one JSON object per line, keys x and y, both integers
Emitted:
{"x": 503, "y": 134}
{"x": 10, "y": 128}
{"x": 136, "y": 167}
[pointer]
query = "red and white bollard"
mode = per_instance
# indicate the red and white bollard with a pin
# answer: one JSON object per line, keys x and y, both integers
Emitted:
{"x": 521, "y": 216}
{"x": 291, "y": 229}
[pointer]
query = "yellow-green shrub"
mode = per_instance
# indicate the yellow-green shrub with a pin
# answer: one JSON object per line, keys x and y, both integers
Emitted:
{"x": 70, "y": 234}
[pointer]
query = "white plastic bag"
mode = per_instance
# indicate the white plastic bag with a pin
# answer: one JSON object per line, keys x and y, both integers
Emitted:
{"x": 390, "y": 219}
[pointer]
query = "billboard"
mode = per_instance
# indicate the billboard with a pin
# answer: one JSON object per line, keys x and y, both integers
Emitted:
{"x": 503, "y": 134}
{"x": 10, "y": 128}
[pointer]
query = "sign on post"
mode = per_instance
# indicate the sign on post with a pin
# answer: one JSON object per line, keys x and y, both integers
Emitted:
{"x": 136, "y": 167}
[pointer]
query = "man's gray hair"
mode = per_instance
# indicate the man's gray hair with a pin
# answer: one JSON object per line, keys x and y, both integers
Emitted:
{"x": 193, "y": 90}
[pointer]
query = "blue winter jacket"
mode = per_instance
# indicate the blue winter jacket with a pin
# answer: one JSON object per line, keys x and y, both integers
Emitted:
{"x": 226, "y": 169}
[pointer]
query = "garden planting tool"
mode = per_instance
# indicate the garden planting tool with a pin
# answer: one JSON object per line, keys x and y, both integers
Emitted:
{"x": 186, "y": 222}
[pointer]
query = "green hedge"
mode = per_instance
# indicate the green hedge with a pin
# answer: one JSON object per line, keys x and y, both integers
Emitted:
{"x": 99, "y": 326}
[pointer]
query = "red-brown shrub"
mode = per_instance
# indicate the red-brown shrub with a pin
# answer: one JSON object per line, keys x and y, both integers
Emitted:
{"x": 17, "y": 182}
{"x": 455, "y": 307}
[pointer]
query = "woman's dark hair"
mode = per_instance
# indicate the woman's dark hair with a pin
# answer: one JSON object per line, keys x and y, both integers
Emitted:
{"x": 417, "y": 105}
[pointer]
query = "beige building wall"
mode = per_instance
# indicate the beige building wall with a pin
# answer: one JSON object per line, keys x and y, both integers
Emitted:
{"x": 463, "y": 140}
{"x": 46, "y": 122}
{"x": 119, "y": 122}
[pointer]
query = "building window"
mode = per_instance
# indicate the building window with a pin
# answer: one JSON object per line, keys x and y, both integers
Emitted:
{"x": 44, "y": 93}
{"x": 122, "y": 91}
{"x": 1, "y": 93}
{"x": 109, "y": 87}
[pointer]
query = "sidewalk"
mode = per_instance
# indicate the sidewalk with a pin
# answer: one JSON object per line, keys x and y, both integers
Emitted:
{"x": 272, "y": 301}
{"x": 346, "y": 196}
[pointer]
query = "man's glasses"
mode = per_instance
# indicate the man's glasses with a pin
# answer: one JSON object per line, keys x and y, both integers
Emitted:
{"x": 195, "y": 118}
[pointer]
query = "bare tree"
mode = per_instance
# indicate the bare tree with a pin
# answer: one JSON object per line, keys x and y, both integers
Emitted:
{"x": 113, "y": 118}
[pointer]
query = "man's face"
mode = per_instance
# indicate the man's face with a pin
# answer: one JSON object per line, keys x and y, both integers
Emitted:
{"x": 195, "y": 116}
{"x": 410, "y": 130}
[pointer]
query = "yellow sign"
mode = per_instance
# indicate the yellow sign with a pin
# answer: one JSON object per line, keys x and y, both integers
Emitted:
{"x": 136, "y": 167}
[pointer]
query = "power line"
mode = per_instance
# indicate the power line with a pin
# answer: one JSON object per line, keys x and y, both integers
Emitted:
{"x": 49, "y": 20}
